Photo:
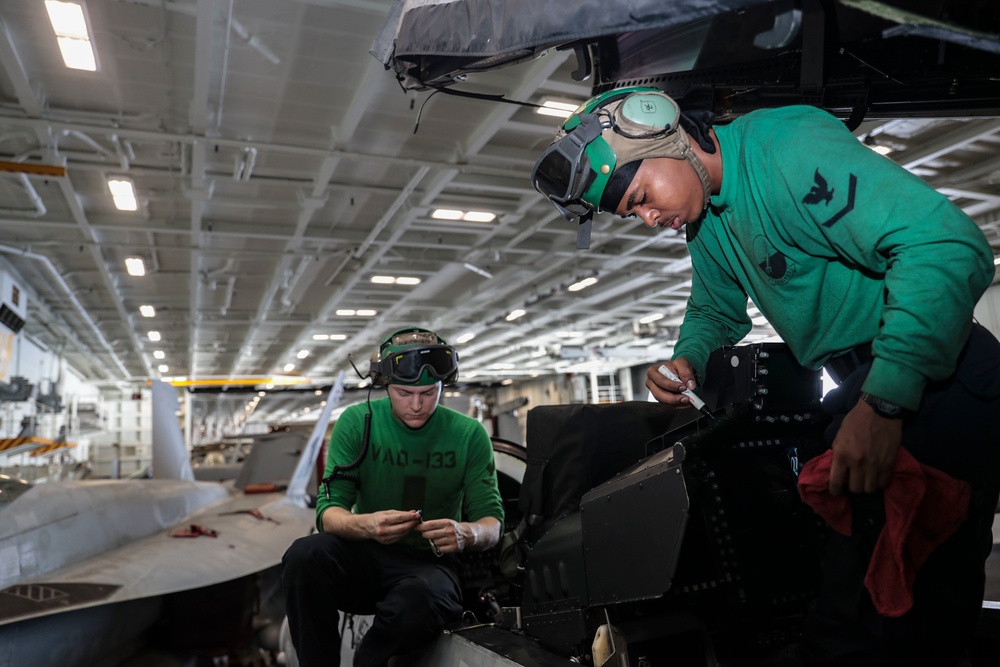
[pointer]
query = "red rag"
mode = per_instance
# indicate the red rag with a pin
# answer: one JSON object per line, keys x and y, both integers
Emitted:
{"x": 923, "y": 508}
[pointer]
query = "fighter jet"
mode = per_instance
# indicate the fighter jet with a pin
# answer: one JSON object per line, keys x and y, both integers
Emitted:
{"x": 855, "y": 59}
{"x": 87, "y": 568}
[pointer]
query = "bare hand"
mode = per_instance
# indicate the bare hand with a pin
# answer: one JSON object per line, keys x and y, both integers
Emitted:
{"x": 446, "y": 534}
{"x": 666, "y": 390}
{"x": 390, "y": 526}
{"x": 864, "y": 451}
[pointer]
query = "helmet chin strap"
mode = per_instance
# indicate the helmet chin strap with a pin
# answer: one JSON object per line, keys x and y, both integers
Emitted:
{"x": 699, "y": 168}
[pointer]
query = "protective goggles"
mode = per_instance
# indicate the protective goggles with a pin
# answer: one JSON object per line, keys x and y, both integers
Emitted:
{"x": 563, "y": 172}
{"x": 407, "y": 366}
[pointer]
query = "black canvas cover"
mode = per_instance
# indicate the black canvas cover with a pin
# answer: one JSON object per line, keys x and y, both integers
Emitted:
{"x": 483, "y": 34}
{"x": 573, "y": 448}
{"x": 854, "y": 58}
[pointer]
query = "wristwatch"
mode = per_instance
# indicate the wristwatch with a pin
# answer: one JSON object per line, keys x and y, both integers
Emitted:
{"x": 883, "y": 407}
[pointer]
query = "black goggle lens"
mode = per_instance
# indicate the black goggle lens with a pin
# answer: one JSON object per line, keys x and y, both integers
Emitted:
{"x": 562, "y": 173}
{"x": 407, "y": 366}
{"x": 554, "y": 175}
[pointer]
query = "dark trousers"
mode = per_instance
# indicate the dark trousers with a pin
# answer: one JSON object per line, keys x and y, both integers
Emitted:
{"x": 413, "y": 597}
{"x": 957, "y": 431}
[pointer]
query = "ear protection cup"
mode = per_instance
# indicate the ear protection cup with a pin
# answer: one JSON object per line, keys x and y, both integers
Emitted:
{"x": 645, "y": 115}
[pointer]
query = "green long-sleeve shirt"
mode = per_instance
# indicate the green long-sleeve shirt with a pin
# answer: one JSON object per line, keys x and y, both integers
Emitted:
{"x": 445, "y": 465}
{"x": 837, "y": 246}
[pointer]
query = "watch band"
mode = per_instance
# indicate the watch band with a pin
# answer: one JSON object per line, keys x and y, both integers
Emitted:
{"x": 883, "y": 407}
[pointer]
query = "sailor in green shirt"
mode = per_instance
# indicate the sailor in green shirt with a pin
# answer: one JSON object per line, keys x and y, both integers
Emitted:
{"x": 408, "y": 484}
{"x": 862, "y": 268}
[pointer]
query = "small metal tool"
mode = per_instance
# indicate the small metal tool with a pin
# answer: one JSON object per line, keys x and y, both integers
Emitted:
{"x": 437, "y": 552}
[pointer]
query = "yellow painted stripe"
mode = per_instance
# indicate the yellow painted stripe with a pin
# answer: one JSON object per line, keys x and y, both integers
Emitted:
{"x": 29, "y": 168}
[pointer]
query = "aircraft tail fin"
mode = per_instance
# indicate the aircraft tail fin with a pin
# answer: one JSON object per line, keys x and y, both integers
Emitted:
{"x": 297, "y": 486}
{"x": 171, "y": 459}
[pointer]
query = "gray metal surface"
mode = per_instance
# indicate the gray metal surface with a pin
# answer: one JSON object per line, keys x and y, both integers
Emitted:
{"x": 633, "y": 527}
{"x": 488, "y": 646}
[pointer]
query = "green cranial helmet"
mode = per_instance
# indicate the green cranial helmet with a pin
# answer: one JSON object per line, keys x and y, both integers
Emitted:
{"x": 605, "y": 133}
{"x": 414, "y": 356}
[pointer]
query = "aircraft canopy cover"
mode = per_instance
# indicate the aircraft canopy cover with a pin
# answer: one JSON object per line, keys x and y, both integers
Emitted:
{"x": 424, "y": 39}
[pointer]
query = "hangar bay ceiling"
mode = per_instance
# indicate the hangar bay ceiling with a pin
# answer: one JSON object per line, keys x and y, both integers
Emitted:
{"x": 282, "y": 176}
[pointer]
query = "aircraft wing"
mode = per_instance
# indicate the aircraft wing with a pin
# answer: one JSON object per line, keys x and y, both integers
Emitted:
{"x": 214, "y": 532}
{"x": 251, "y": 531}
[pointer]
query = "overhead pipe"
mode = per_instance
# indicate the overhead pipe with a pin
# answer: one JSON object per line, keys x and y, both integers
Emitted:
{"x": 215, "y": 273}
{"x": 249, "y": 160}
{"x": 47, "y": 263}
{"x": 292, "y": 282}
{"x": 190, "y": 10}
{"x": 228, "y": 299}
{"x": 123, "y": 159}
{"x": 39, "y": 206}
{"x": 36, "y": 201}
{"x": 90, "y": 141}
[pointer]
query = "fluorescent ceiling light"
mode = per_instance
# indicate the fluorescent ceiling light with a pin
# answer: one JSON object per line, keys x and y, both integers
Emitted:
{"x": 302, "y": 354}
{"x": 556, "y": 109}
{"x": 69, "y": 23}
{"x": 869, "y": 141}
{"x": 447, "y": 214}
{"x": 77, "y": 54}
{"x": 163, "y": 368}
{"x": 289, "y": 368}
{"x": 329, "y": 337}
{"x": 135, "y": 266}
{"x": 465, "y": 338}
{"x": 361, "y": 312}
{"x": 579, "y": 285}
{"x": 651, "y": 318}
{"x": 514, "y": 314}
{"x": 123, "y": 194}
{"x": 159, "y": 354}
{"x": 479, "y": 216}
{"x": 401, "y": 280}
{"x": 506, "y": 381}
{"x": 67, "y": 19}
{"x": 154, "y": 336}
{"x": 147, "y": 311}
{"x": 568, "y": 334}
{"x": 468, "y": 216}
